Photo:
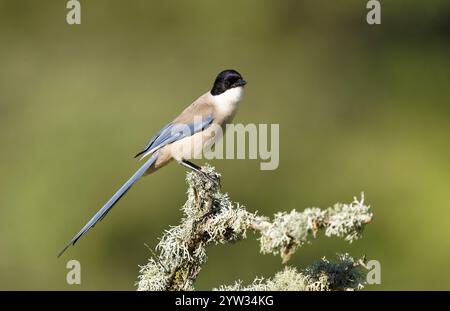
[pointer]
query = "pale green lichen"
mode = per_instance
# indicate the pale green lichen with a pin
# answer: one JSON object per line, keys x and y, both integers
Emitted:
{"x": 156, "y": 279}
{"x": 290, "y": 230}
{"x": 347, "y": 220}
{"x": 323, "y": 275}
{"x": 211, "y": 217}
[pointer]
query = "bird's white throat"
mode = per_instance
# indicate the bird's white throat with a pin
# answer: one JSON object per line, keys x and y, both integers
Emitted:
{"x": 227, "y": 101}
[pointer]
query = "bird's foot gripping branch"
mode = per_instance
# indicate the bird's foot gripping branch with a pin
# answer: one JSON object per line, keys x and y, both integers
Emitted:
{"x": 211, "y": 218}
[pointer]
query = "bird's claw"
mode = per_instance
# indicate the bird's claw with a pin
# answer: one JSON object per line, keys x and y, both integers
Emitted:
{"x": 215, "y": 179}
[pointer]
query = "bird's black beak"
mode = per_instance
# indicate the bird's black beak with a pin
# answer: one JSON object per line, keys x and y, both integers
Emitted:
{"x": 241, "y": 82}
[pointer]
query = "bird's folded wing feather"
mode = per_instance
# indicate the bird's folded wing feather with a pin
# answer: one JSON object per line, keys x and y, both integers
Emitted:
{"x": 177, "y": 130}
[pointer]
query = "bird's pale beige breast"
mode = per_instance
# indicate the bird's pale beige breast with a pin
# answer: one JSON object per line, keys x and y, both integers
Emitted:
{"x": 192, "y": 147}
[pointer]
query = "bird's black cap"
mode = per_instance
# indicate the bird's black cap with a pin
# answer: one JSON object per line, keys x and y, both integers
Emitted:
{"x": 226, "y": 80}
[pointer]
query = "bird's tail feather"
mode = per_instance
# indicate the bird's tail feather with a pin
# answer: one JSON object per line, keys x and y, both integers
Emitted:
{"x": 114, "y": 199}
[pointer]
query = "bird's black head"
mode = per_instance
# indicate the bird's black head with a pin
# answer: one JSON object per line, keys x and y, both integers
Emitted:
{"x": 226, "y": 80}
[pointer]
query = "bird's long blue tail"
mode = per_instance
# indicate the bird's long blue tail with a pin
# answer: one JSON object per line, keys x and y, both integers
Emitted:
{"x": 114, "y": 199}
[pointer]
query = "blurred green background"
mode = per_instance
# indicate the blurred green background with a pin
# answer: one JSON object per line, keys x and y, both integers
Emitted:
{"x": 360, "y": 108}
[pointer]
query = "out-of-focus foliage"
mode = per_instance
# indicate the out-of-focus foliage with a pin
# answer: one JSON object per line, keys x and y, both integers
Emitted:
{"x": 360, "y": 108}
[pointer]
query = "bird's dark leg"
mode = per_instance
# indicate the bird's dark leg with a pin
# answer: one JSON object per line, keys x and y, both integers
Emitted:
{"x": 198, "y": 170}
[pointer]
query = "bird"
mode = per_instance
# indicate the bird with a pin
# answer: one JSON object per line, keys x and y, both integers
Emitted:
{"x": 184, "y": 138}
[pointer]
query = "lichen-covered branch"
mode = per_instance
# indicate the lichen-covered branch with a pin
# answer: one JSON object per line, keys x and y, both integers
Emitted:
{"x": 323, "y": 275}
{"x": 211, "y": 217}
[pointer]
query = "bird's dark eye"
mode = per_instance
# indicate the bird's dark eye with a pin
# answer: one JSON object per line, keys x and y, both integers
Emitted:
{"x": 232, "y": 80}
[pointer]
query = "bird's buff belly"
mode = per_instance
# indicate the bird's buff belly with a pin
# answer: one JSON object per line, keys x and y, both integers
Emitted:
{"x": 191, "y": 147}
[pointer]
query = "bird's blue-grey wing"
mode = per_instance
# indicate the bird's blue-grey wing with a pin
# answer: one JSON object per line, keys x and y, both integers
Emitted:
{"x": 175, "y": 131}
{"x": 151, "y": 142}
